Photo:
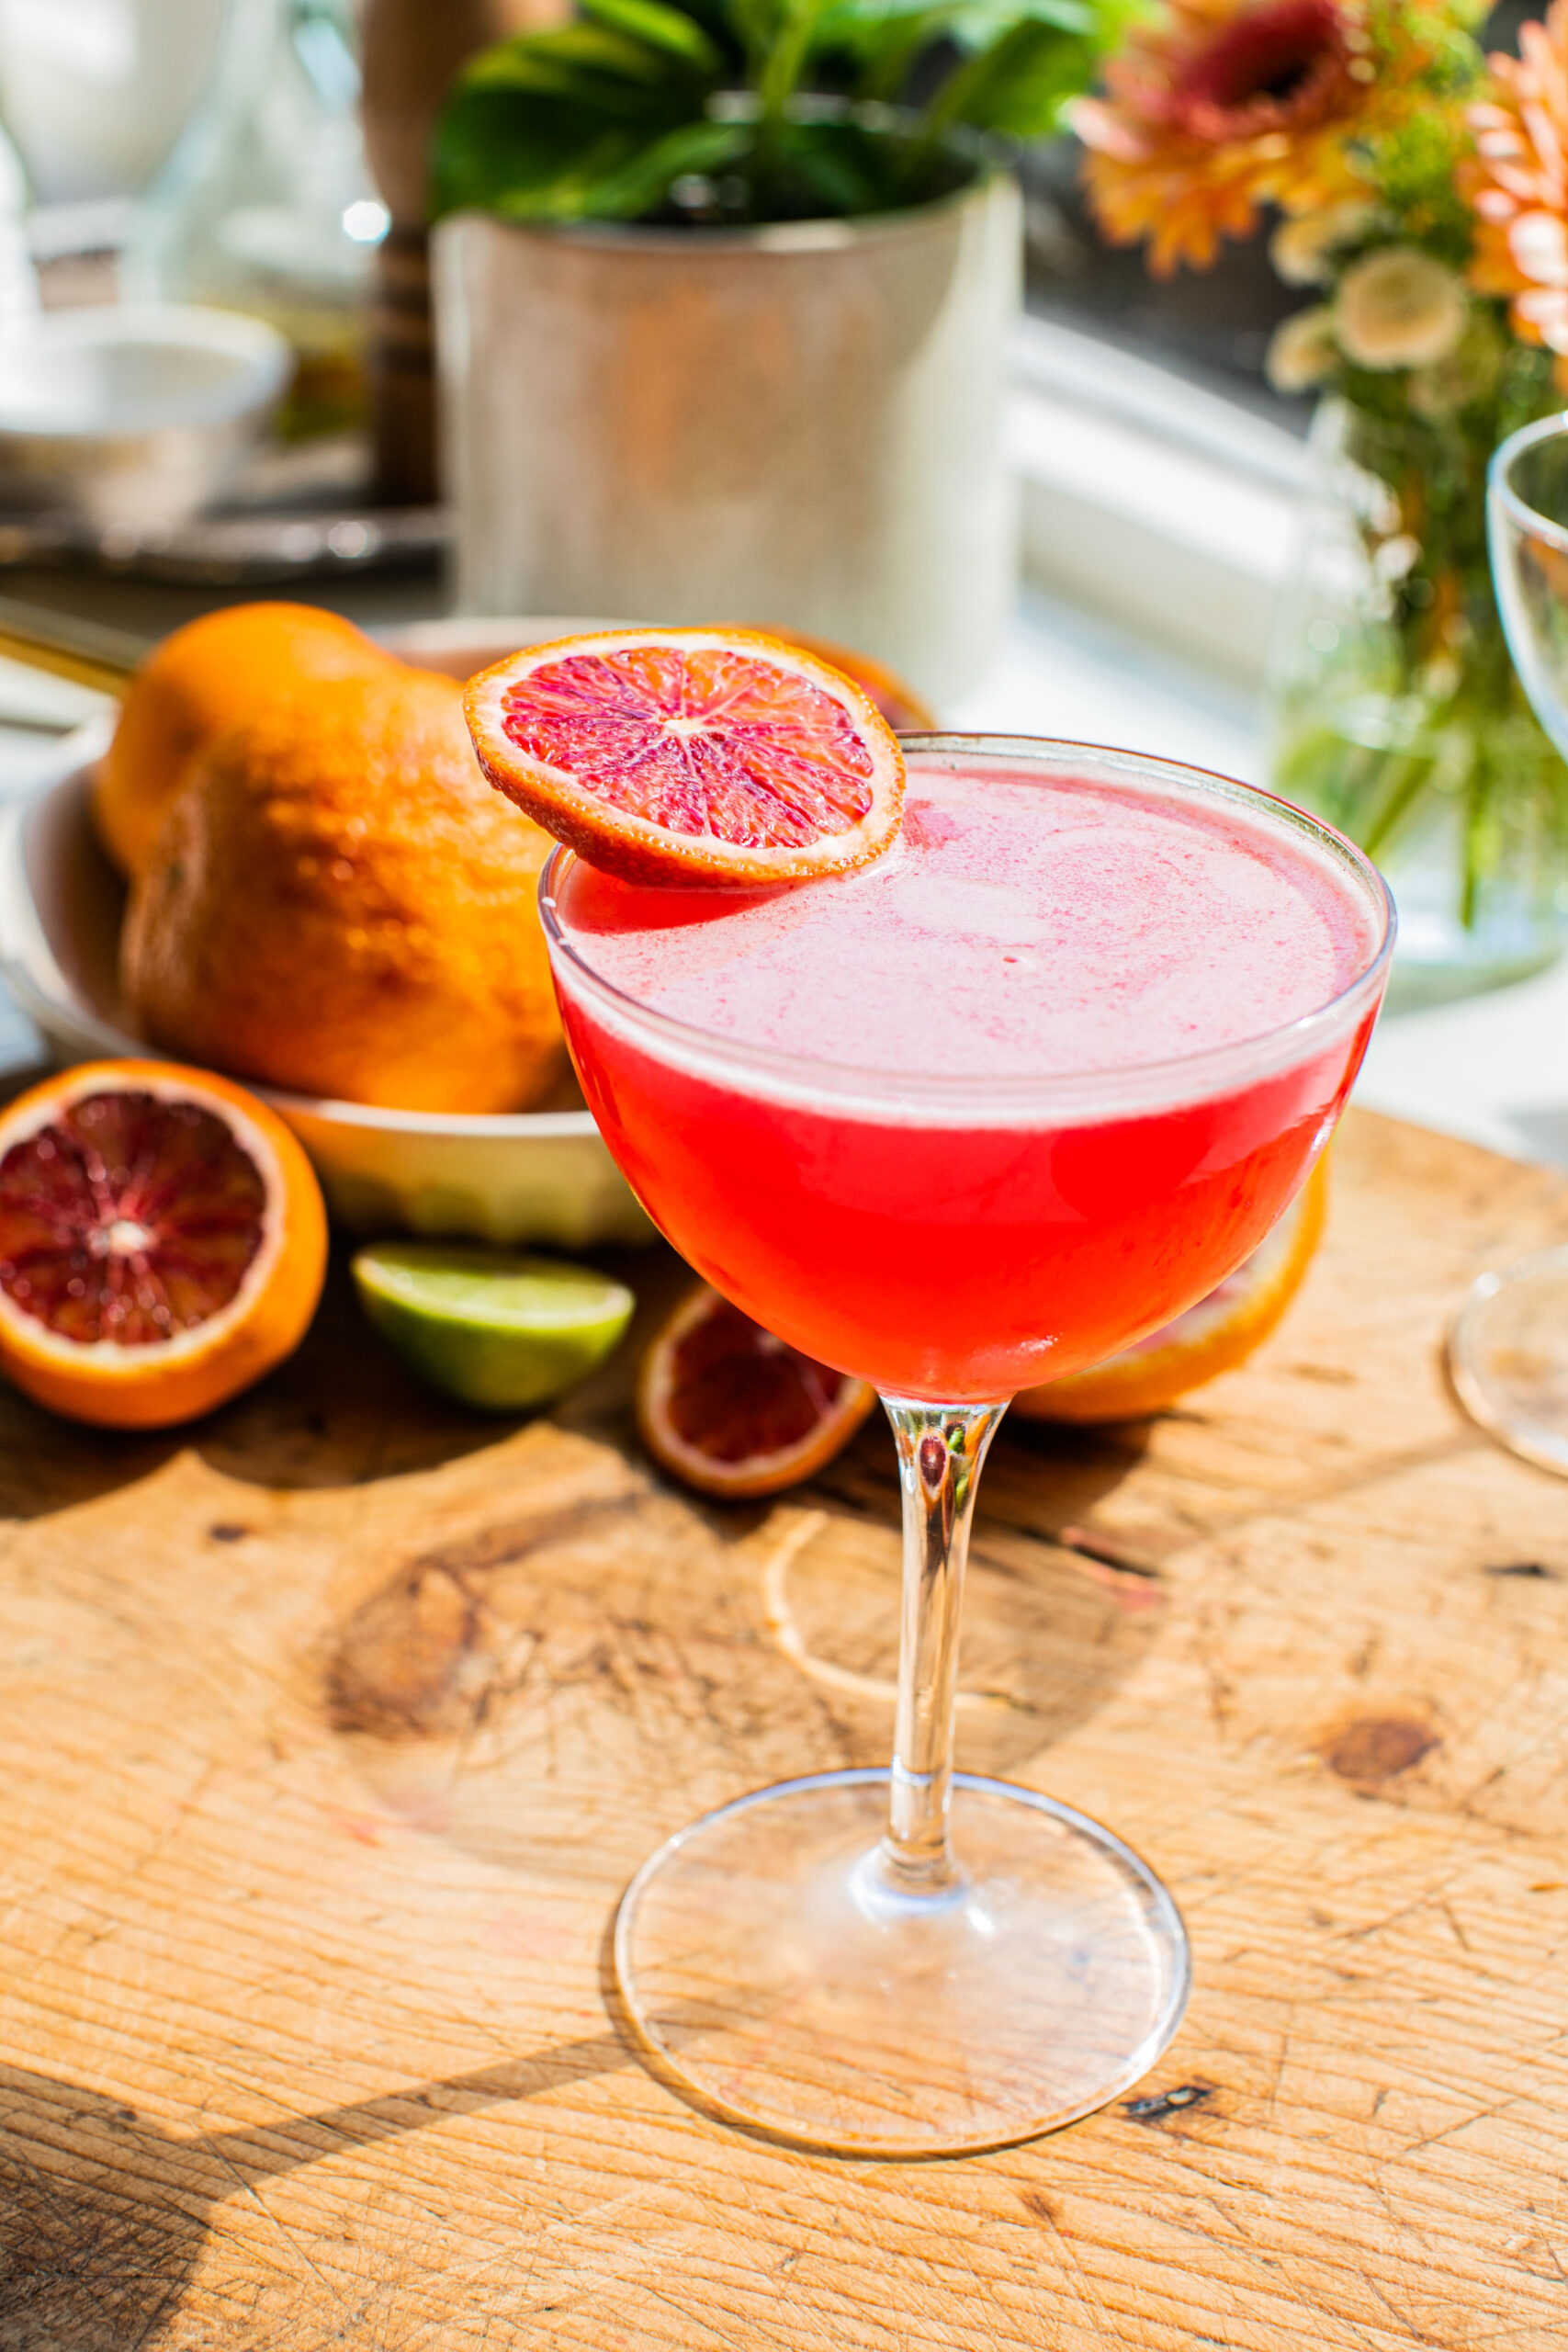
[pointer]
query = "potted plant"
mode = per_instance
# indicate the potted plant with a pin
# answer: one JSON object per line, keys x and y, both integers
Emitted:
{"x": 723, "y": 291}
{"x": 1424, "y": 196}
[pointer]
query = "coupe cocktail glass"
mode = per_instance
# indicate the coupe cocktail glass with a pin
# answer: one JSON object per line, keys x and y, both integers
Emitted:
{"x": 1508, "y": 1348}
{"x": 919, "y": 1961}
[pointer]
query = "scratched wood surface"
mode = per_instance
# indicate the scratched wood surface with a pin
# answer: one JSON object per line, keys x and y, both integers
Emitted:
{"x": 331, "y": 1730}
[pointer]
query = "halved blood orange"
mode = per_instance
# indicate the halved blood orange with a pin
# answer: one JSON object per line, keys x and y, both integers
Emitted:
{"x": 692, "y": 754}
{"x": 162, "y": 1242}
{"x": 1215, "y": 1336}
{"x": 731, "y": 1410}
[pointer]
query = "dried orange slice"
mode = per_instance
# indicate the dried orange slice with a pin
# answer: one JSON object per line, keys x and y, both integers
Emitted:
{"x": 1215, "y": 1336}
{"x": 730, "y": 1410}
{"x": 162, "y": 1242}
{"x": 691, "y": 755}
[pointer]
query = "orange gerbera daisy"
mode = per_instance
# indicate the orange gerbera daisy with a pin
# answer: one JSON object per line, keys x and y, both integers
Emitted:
{"x": 1517, "y": 182}
{"x": 1215, "y": 108}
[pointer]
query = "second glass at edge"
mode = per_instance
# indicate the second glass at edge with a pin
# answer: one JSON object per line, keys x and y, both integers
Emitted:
{"x": 914, "y": 1961}
{"x": 1508, "y": 1346}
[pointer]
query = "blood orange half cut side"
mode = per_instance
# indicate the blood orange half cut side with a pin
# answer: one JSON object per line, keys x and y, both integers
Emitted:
{"x": 692, "y": 754}
{"x": 162, "y": 1242}
{"x": 731, "y": 1410}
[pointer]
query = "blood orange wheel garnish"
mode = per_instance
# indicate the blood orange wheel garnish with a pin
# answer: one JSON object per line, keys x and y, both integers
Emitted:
{"x": 162, "y": 1242}
{"x": 692, "y": 754}
{"x": 731, "y": 1410}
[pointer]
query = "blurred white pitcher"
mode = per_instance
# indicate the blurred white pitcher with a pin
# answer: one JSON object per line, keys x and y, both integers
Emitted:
{"x": 95, "y": 92}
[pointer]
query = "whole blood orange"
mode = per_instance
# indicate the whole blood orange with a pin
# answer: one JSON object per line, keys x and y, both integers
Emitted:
{"x": 162, "y": 1242}
{"x": 692, "y": 754}
{"x": 339, "y": 904}
{"x": 1215, "y": 1336}
{"x": 733, "y": 1411}
{"x": 195, "y": 683}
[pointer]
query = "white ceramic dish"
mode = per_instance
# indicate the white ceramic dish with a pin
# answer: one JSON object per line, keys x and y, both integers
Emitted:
{"x": 133, "y": 416}
{"x": 527, "y": 1176}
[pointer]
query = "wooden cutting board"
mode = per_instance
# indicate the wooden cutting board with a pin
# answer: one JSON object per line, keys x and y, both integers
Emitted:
{"x": 331, "y": 1730}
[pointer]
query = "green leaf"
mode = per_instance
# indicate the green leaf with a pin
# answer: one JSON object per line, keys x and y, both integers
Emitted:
{"x": 564, "y": 163}
{"x": 793, "y": 40}
{"x": 643, "y": 181}
{"x": 840, "y": 171}
{"x": 661, "y": 27}
{"x": 1020, "y": 85}
{"x": 973, "y": 22}
{"x": 490, "y": 148}
{"x": 512, "y": 152}
{"x": 887, "y": 51}
{"x": 978, "y": 23}
{"x": 723, "y": 21}
{"x": 547, "y": 61}
{"x": 806, "y": 171}
{"x": 846, "y": 22}
{"x": 546, "y": 124}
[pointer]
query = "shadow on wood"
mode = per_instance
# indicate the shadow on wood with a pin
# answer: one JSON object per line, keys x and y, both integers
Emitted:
{"x": 341, "y": 1412}
{"x": 103, "y": 2215}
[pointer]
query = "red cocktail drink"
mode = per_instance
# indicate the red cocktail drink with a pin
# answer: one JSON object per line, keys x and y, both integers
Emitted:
{"x": 979, "y": 1113}
{"x": 888, "y": 1140}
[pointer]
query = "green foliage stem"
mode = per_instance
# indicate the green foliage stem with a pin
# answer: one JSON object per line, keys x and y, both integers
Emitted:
{"x": 1412, "y": 722}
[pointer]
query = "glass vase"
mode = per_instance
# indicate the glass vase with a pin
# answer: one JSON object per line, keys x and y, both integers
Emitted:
{"x": 265, "y": 204}
{"x": 1394, "y": 710}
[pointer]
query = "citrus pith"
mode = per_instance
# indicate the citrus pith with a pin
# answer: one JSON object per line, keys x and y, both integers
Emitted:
{"x": 1215, "y": 1336}
{"x": 729, "y": 1410}
{"x": 691, "y": 755}
{"x": 162, "y": 1242}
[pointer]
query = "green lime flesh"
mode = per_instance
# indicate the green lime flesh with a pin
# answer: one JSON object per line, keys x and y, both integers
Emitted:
{"x": 492, "y": 1330}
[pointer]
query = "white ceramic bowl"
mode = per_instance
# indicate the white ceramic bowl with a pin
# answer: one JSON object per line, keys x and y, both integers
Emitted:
{"x": 526, "y": 1176}
{"x": 133, "y": 414}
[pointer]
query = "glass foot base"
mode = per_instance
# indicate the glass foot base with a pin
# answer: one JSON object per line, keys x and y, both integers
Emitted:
{"x": 1508, "y": 1356}
{"x": 775, "y": 1974}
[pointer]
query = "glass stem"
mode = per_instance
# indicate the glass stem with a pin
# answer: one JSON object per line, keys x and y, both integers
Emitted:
{"x": 940, "y": 1448}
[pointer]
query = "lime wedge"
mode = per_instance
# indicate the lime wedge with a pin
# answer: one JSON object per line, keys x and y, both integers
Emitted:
{"x": 491, "y": 1330}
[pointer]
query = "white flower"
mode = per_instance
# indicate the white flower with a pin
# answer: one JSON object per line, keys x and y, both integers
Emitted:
{"x": 1302, "y": 250}
{"x": 1538, "y": 243}
{"x": 1301, "y": 350}
{"x": 1399, "y": 309}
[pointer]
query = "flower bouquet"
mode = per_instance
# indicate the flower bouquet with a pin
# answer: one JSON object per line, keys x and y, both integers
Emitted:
{"x": 1422, "y": 189}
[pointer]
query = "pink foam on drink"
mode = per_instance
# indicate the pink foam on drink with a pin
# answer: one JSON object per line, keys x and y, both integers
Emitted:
{"x": 1035, "y": 925}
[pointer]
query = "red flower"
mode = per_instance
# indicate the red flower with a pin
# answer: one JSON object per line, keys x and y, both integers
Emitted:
{"x": 1214, "y": 109}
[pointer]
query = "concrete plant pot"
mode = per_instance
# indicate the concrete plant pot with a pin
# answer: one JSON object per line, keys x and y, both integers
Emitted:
{"x": 800, "y": 425}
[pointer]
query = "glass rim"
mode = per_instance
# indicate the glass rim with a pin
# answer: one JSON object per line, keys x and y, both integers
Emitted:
{"x": 1184, "y": 1078}
{"x": 1501, "y": 490}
